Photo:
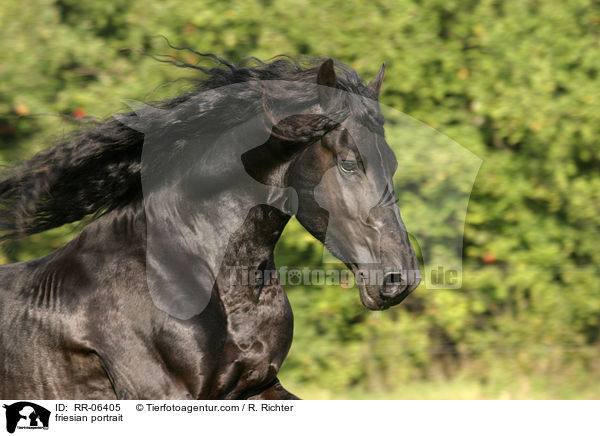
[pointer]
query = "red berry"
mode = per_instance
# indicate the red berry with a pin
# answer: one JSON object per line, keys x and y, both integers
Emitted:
{"x": 489, "y": 258}
{"x": 79, "y": 113}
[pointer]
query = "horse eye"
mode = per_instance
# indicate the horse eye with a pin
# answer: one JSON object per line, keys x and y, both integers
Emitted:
{"x": 348, "y": 166}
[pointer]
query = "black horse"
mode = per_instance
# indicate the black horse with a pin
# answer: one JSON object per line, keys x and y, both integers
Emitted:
{"x": 95, "y": 319}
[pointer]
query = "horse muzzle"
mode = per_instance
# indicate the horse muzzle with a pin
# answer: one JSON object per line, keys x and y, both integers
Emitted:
{"x": 379, "y": 291}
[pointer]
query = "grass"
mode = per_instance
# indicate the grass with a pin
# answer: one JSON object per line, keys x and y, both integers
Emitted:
{"x": 458, "y": 389}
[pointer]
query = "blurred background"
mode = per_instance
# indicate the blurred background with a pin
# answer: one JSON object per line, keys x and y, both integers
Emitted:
{"x": 514, "y": 82}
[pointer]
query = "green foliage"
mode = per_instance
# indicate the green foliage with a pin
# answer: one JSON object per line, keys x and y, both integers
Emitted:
{"x": 515, "y": 82}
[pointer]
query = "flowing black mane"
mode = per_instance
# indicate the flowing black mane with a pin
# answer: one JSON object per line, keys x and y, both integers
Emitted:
{"x": 98, "y": 169}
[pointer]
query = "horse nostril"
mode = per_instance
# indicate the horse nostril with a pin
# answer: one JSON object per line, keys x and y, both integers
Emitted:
{"x": 392, "y": 278}
{"x": 393, "y": 284}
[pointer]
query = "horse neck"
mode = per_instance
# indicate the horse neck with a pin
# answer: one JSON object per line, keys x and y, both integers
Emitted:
{"x": 122, "y": 230}
{"x": 250, "y": 249}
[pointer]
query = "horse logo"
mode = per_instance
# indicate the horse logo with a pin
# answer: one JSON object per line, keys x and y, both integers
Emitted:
{"x": 26, "y": 415}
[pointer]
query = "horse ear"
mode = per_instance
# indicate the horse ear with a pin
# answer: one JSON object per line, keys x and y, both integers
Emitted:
{"x": 374, "y": 85}
{"x": 326, "y": 76}
{"x": 326, "y": 79}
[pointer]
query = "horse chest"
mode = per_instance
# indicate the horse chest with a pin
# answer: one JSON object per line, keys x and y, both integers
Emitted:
{"x": 229, "y": 352}
{"x": 258, "y": 339}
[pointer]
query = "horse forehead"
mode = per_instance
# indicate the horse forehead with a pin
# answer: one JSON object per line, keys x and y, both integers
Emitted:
{"x": 371, "y": 146}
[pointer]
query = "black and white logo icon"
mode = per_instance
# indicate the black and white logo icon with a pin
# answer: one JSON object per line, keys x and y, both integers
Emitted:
{"x": 26, "y": 415}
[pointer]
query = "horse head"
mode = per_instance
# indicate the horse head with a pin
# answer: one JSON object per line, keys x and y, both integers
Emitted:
{"x": 346, "y": 198}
